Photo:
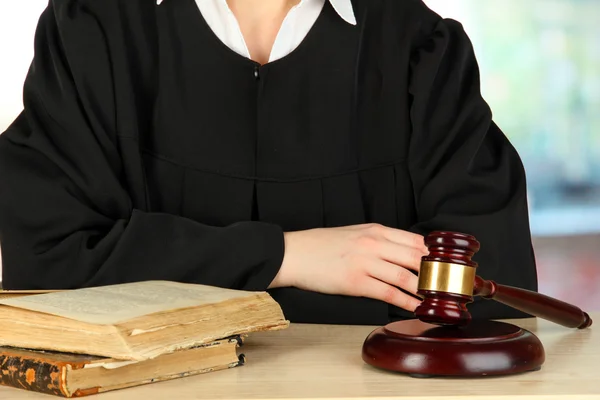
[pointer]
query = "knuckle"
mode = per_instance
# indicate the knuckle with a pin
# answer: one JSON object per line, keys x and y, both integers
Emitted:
{"x": 402, "y": 277}
{"x": 355, "y": 283}
{"x": 389, "y": 295}
{"x": 418, "y": 241}
{"x": 375, "y": 228}
{"x": 406, "y": 303}
{"x": 415, "y": 257}
{"x": 367, "y": 242}
{"x": 355, "y": 260}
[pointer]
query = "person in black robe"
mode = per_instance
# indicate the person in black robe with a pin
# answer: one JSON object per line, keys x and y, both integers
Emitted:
{"x": 147, "y": 150}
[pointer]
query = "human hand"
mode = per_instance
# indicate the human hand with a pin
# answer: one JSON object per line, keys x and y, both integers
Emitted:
{"x": 362, "y": 260}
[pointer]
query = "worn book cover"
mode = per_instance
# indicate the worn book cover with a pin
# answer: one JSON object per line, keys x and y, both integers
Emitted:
{"x": 77, "y": 375}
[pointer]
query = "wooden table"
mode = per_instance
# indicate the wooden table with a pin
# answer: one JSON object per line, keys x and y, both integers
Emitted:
{"x": 324, "y": 362}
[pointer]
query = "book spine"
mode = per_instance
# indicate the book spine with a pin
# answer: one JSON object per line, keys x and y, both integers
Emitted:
{"x": 32, "y": 374}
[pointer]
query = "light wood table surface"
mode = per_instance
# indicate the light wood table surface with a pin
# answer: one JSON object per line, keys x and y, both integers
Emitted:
{"x": 324, "y": 362}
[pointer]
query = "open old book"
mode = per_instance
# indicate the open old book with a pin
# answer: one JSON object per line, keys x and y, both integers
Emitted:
{"x": 134, "y": 321}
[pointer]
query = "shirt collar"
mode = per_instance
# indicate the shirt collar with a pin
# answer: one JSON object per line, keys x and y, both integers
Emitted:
{"x": 345, "y": 10}
{"x": 342, "y": 7}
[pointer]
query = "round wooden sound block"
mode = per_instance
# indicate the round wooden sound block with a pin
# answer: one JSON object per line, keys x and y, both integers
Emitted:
{"x": 479, "y": 349}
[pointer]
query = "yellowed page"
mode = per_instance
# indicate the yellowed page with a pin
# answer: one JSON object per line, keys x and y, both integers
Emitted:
{"x": 118, "y": 303}
{"x": 9, "y": 294}
{"x": 4, "y": 291}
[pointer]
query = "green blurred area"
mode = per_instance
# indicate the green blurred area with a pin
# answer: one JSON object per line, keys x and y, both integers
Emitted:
{"x": 540, "y": 71}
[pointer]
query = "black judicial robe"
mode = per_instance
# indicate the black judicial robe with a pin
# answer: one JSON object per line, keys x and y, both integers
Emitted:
{"x": 147, "y": 149}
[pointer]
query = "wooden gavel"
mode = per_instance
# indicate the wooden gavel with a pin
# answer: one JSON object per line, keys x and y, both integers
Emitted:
{"x": 448, "y": 282}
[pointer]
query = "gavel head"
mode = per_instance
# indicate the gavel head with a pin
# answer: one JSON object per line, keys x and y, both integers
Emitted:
{"x": 446, "y": 278}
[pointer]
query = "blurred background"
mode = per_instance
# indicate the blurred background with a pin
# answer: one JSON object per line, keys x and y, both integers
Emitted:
{"x": 540, "y": 71}
{"x": 540, "y": 67}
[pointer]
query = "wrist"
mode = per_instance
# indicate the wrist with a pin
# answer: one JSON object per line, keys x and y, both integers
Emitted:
{"x": 285, "y": 274}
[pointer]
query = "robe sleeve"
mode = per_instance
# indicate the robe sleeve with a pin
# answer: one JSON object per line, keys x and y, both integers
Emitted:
{"x": 67, "y": 218}
{"x": 467, "y": 176}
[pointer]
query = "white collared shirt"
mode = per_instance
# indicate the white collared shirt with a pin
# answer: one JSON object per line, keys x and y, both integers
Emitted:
{"x": 294, "y": 28}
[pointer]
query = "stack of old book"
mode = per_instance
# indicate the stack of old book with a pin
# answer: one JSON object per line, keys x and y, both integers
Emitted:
{"x": 86, "y": 341}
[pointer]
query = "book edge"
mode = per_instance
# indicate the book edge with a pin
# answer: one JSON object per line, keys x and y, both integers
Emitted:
{"x": 236, "y": 360}
{"x": 29, "y": 378}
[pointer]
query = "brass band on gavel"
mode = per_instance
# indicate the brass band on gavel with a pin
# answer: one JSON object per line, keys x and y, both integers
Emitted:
{"x": 446, "y": 277}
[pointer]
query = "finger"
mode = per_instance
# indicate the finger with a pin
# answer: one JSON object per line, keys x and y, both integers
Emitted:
{"x": 406, "y": 238}
{"x": 394, "y": 235}
{"x": 398, "y": 236}
{"x": 394, "y": 275}
{"x": 399, "y": 254}
{"x": 376, "y": 289}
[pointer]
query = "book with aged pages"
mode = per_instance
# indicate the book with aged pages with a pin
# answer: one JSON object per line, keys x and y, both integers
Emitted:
{"x": 84, "y": 341}
{"x": 78, "y": 375}
{"x": 134, "y": 321}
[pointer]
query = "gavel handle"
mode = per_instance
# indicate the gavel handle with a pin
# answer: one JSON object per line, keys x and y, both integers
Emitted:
{"x": 533, "y": 303}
